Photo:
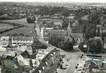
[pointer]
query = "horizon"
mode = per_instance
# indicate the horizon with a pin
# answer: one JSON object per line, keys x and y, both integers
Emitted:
{"x": 65, "y": 4}
{"x": 56, "y": 1}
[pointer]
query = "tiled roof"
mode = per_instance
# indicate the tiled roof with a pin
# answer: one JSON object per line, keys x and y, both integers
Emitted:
{"x": 23, "y": 38}
{"x": 58, "y": 33}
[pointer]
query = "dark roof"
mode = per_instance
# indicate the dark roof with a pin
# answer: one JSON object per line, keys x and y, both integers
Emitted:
{"x": 58, "y": 33}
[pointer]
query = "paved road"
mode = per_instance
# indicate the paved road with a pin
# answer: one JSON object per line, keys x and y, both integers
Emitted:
{"x": 72, "y": 58}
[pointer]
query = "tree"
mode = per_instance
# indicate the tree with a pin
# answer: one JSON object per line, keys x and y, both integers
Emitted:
{"x": 66, "y": 13}
{"x": 95, "y": 45}
{"x": 65, "y": 23}
{"x": 15, "y": 34}
{"x": 21, "y": 34}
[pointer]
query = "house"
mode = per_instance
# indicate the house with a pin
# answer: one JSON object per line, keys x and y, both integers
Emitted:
{"x": 50, "y": 21}
{"x": 5, "y": 40}
{"x": 45, "y": 33}
{"x": 19, "y": 40}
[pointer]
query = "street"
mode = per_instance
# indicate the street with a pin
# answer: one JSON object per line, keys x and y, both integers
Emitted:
{"x": 72, "y": 59}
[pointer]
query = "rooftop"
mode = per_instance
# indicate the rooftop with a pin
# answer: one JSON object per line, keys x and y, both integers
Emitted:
{"x": 23, "y": 38}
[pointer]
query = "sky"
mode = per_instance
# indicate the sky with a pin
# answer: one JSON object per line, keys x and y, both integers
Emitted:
{"x": 59, "y": 1}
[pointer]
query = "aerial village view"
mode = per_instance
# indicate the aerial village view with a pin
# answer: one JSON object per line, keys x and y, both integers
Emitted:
{"x": 52, "y": 37}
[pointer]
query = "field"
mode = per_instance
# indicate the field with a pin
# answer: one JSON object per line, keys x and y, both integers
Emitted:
{"x": 5, "y": 26}
{"x": 26, "y": 29}
{"x": 18, "y": 21}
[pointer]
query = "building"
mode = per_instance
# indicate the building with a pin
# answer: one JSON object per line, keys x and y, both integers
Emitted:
{"x": 45, "y": 33}
{"x": 50, "y": 21}
{"x": 21, "y": 40}
{"x": 78, "y": 37}
{"x": 58, "y": 33}
{"x": 4, "y": 41}
{"x": 97, "y": 62}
